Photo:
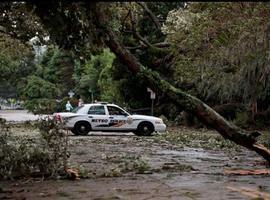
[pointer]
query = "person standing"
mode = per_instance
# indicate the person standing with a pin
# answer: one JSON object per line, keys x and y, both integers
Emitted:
{"x": 80, "y": 103}
{"x": 68, "y": 106}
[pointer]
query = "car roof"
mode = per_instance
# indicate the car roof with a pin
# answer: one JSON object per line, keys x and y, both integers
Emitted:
{"x": 100, "y": 103}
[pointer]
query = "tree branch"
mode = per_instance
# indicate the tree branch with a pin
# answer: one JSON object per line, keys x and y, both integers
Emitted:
{"x": 136, "y": 33}
{"x": 3, "y": 29}
{"x": 123, "y": 22}
{"x": 111, "y": 40}
{"x": 12, "y": 34}
{"x": 189, "y": 103}
{"x": 161, "y": 44}
{"x": 151, "y": 14}
{"x": 157, "y": 45}
{"x": 137, "y": 47}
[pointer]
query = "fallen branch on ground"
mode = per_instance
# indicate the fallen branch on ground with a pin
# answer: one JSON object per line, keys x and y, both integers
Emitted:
{"x": 247, "y": 172}
{"x": 251, "y": 192}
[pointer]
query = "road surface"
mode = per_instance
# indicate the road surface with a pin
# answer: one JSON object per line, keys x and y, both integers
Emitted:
{"x": 18, "y": 115}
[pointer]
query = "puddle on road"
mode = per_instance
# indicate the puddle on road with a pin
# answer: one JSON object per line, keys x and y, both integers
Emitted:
{"x": 208, "y": 179}
{"x": 194, "y": 155}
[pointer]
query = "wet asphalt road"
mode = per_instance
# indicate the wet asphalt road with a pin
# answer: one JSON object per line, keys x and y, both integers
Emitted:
{"x": 18, "y": 115}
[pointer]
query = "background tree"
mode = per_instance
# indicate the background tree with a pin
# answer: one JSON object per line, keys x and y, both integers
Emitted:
{"x": 40, "y": 95}
{"x": 16, "y": 62}
{"x": 95, "y": 75}
{"x": 190, "y": 103}
{"x": 100, "y": 20}
{"x": 51, "y": 80}
{"x": 223, "y": 49}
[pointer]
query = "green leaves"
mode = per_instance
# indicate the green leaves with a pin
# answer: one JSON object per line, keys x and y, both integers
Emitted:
{"x": 96, "y": 75}
{"x": 40, "y": 95}
{"x": 15, "y": 59}
{"x": 44, "y": 154}
{"x": 222, "y": 48}
{"x": 37, "y": 87}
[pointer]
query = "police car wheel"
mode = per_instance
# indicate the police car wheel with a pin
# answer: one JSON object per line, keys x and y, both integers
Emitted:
{"x": 82, "y": 128}
{"x": 145, "y": 129}
{"x": 74, "y": 131}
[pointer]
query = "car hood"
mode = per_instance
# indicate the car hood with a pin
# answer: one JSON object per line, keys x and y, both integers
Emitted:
{"x": 146, "y": 117}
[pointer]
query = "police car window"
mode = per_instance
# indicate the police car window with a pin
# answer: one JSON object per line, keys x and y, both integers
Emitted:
{"x": 77, "y": 109}
{"x": 96, "y": 110}
{"x": 115, "y": 111}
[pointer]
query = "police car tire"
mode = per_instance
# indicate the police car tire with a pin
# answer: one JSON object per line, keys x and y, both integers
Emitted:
{"x": 73, "y": 130}
{"x": 81, "y": 128}
{"x": 145, "y": 129}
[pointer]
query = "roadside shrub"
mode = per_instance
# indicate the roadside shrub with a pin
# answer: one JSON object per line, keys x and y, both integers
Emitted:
{"x": 41, "y": 105}
{"x": 169, "y": 110}
{"x": 262, "y": 118}
{"x": 229, "y": 110}
{"x": 141, "y": 166}
{"x": 43, "y": 155}
{"x": 242, "y": 119}
{"x": 190, "y": 120}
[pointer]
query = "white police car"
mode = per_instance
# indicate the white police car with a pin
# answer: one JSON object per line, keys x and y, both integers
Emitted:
{"x": 108, "y": 117}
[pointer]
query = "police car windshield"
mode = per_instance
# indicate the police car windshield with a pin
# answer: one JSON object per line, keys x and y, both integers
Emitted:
{"x": 76, "y": 109}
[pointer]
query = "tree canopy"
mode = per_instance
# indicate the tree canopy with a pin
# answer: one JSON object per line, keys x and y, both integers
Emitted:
{"x": 218, "y": 52}
{"x": 199, "y": 47}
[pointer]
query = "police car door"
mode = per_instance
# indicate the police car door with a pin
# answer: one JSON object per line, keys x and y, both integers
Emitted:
{"x": 117, "y": 119}
{"x": 97, "y": 117}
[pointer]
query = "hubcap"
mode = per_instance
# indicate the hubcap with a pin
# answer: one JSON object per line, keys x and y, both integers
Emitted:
{"x": 145, "y": 129}
{"x": 82, "y": 128}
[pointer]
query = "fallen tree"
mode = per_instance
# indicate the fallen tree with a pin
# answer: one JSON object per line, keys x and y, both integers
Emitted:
{"x": 189, "y": 103}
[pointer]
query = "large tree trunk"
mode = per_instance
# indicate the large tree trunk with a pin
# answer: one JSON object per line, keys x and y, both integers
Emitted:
{"x": 189, "y": 103}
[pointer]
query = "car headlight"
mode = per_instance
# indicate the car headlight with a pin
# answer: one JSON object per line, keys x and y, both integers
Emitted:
{"x": 159, "y": 121}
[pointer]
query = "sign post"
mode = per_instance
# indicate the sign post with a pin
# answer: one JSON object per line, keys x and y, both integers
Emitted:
{"x": 152, "y": 97}
{"x": 71, "y": 94}
{"x": 92, "y": 95}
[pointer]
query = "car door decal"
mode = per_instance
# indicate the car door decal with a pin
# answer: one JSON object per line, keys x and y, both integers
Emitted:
{"x": 117, "y": 123}
{"x": 129, "y": 120}
{"x": 113, "y": 122}
{"x": 102, "y": 122}
{"x": 103, "y": 125}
